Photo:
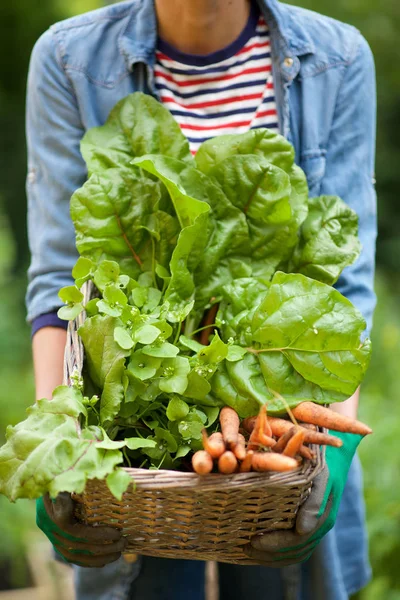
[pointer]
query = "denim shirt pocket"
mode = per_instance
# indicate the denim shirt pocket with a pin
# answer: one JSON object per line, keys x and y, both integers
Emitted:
{"x": 313, "y": 164}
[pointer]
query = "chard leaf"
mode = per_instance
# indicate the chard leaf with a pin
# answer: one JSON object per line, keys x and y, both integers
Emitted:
{"x": 193, "y": 218}
{"x": 206, "y": 237}
{"x": 328, "y": 240}
{"x": 49, "y": 453}
{"x": 261, "y": 142}
{"x": 235, "y": 353}
{"x": 105, "y": 362}
{"x": 305, "y": 345}
{"x": 117, "y": 217}
{"x": 118, "y": 482}
{"x": 137, "y": 125}
{"x": 101, "y": 349}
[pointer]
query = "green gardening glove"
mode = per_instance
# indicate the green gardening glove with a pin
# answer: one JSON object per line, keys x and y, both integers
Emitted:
{"x": 83, "y": 545}
{"x": 315, "y": 517}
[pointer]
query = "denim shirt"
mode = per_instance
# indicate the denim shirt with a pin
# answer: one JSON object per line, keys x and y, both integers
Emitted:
{"x": 325, "y": 90}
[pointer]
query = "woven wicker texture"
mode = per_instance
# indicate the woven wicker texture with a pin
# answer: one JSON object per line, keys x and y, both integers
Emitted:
{"x": 182, "y": 515}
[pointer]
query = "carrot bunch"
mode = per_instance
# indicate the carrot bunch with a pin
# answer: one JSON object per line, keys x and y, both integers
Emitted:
{"x": 271, "y": 443}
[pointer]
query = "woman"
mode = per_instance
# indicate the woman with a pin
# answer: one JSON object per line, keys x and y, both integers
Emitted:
{"x": 220, "y": 66}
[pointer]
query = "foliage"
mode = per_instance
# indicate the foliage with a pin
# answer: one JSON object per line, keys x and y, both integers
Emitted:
{"x": 379, "y": 453}
{"x": 145, "y": 393}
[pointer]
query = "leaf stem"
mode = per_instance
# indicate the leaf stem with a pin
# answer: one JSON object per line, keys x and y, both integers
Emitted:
{"x": 201, "y": 329}
{"x": 135, "y": 256}
{"x": 124, "y": 452}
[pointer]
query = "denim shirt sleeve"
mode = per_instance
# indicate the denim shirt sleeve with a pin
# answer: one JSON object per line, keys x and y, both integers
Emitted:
{"x": 55, "y": 170}
{"x": 350, "y": 171}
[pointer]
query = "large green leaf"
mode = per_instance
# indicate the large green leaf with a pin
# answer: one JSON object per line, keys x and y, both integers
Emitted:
{"x": 184, "y": 184}
{"x": 105, "y": 362}
{"x": 305, "y": 345}
{"x": 328, "y": 240}
{"x": 137, "y": 125}
{"x": 50, "y": 452}
{"x": 261, "y": 142}
{"x": 268, "y": 146}
{"x": 117, "y": 217}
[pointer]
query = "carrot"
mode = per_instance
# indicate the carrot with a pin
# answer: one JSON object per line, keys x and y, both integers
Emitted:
{"x": 283, "y": 440}
{"x": 324, "y": 417}
{"x": 305, "y": 452}
{"x": 280, "y": 426}
{"x": 227, "y": 462}
{"x": 309, "y": 426}
{"x": 229, "y": 420}
{"x": 263, "y": 421}
{"x": 208, "y": 323}
{"x": 239, "y": 450}
{"x": 271, "y": 461}
{"x": 295, "y": 442}
{"x": 248, "y": 423}
{"x": 245, "y": 467}
{"x": 214, "y": 445}
{"x": 202, "y": 462}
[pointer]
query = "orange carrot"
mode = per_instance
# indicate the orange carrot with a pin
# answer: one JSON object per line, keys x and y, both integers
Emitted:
{"x": 280, "y": 426}
{"x": 227, "y": 462}
{"x": 283, "y": 440}
{"x": 309, "y": 426}
{"x": 305, "y": 452}
{"x": 263, "y": 421}
{"x": 245, "y": 467}
{"x": 208, "y": 323}
{"x": 239, "y": 450}
{"x": 293, "y": 445}
{"x": 229, "y": 420}
{"x": 248, "y": 423}
{"x": 202, "y": 462}
{"x": 271, "y": 461}
{"x": 214, "y": 445}
{"x": 324, "y": 417}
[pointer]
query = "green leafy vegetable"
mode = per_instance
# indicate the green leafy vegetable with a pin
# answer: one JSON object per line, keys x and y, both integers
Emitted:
{"x": 164, "y": 237}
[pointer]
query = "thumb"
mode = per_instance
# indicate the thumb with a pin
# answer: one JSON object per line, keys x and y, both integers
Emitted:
{"x": 61, "y": 509}
{"x": 309, "y": 515}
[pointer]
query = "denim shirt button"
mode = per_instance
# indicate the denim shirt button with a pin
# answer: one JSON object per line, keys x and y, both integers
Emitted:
{"x": 288, "y": 62}
{"x": 31, "y": 176}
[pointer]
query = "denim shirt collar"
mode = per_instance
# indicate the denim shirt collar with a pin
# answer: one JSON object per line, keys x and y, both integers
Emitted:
{"x": 138, "y": 41}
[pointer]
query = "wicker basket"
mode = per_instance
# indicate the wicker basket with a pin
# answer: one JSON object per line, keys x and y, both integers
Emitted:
{"x": 182, "y": 515}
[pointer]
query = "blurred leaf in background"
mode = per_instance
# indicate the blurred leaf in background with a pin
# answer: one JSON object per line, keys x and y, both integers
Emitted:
{"x": 379, "y": 22}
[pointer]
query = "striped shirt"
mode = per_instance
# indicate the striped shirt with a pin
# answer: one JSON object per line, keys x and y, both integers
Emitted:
{"x": 229, "y": 91}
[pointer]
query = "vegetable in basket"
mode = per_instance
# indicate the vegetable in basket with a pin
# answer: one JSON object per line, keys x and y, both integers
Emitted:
{"x": 164, "y": 240}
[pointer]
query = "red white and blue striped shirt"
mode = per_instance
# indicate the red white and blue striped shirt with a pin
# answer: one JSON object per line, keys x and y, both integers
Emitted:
{"x": 229, "y": 91}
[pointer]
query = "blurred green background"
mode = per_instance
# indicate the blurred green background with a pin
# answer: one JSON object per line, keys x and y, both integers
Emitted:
{"x": 21, "y": 23}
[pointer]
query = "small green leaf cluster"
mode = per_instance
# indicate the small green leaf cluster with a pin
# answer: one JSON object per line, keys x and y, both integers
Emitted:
{"x": 163, "y": 237}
